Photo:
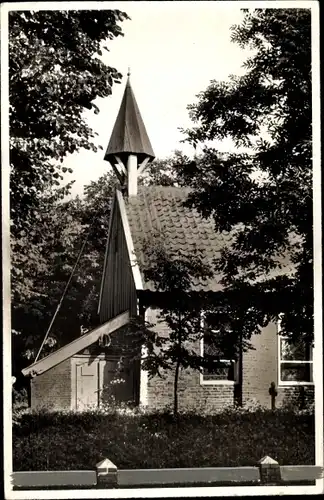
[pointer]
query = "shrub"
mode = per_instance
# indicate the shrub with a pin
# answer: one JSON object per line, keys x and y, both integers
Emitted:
{"x": 19, "y": 405}
{"x": 134, "y": 439}
{"x": 19, "y": 397}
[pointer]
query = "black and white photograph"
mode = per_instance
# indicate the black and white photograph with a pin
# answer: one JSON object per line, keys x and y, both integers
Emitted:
{"x": 161, "y": 249}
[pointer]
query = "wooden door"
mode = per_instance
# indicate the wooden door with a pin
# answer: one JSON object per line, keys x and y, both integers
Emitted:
{"x": 87, "y": 385}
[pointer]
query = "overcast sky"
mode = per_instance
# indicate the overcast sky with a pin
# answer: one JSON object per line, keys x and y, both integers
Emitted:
{"x": 174, "y": 49}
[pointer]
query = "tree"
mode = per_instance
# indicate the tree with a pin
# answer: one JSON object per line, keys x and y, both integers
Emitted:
{"x": 180, "y": 306}
{"x": 55, "y": 72}
{"x": 262, "y": 191}
{"x": 165, "y": 171}
{"x": 61, "y": 229}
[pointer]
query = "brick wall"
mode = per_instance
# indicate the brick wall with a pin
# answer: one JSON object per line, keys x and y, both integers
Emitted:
{"x": 52, "y": 389}
{"x": 294, "y": 396}
{"x": 191, "y": 394}
{"x": 260, "y": 368}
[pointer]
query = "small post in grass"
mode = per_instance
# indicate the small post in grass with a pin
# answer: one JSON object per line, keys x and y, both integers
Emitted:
{"x": 269, "y": 471}
{"x": 273, "y": 394}
{"x": 106, "y": 473}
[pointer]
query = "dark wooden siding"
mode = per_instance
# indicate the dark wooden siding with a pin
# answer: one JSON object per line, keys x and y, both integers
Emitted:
{"x": 118, "y": 292}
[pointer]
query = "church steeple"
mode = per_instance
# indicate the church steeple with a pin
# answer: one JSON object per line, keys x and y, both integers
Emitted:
{"x": 129, "y": 149}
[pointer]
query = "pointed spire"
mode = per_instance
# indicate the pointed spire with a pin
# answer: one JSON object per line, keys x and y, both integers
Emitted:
{"x": 128, "y": 77}
{"x": 129, "y": 134}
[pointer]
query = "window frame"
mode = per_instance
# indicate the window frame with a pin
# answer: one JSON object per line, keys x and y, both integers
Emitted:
{"x": 216, "y": 381}
{"x": 287, "y": 383}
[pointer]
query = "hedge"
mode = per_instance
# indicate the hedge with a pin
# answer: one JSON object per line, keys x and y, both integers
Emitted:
{"x": 68, "y": 440}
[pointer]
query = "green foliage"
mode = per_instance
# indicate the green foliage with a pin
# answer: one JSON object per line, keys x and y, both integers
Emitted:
{"x": 19, "y": 398}
{"x": 174, "y": 275}
{"x": 232, "y": 438}
{"x": 19, "y": 405}
{"x": 55, "y": 72}
{"x": 39, "y": 278}
{"x": 262, "y": 191}
{"x": 61, "y": 229}
{"x": 166, "y": 171}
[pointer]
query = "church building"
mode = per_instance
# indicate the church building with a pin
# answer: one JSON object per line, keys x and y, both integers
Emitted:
{"x": 96, "y": 368}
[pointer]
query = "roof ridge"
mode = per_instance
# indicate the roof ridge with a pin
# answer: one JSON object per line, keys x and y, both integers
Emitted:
{"x": 165, "y": 188}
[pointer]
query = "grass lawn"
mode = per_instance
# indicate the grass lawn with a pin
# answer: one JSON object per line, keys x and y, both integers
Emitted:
{"x": 72, "y": 441}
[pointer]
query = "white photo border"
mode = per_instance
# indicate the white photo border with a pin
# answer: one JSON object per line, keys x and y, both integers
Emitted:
{"x": 318, "y": 350}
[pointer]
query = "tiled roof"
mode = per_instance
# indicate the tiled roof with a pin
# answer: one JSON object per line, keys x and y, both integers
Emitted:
{"x": 160, "y": 209}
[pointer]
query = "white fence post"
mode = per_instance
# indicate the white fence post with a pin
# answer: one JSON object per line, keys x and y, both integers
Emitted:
{"x": 269, "y": 471}
{"x": 106, "y": 473}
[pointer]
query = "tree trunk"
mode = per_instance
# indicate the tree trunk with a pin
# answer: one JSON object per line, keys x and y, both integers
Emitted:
{"x": 240, "y": 375}
{"x": 176, "y": 378}
{"x": 177, "y": 370}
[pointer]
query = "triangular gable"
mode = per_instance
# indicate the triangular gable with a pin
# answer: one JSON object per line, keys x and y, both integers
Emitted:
{"x": 77, "y": 345}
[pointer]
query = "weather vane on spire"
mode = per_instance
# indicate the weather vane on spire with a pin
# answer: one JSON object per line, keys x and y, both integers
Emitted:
{"x": 129, "y": 71}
